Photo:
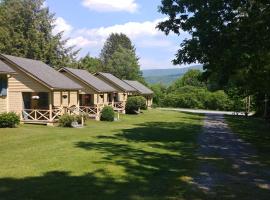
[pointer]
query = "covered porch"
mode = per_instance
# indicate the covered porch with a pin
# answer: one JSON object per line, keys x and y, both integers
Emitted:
{"x": 47, "y": 107}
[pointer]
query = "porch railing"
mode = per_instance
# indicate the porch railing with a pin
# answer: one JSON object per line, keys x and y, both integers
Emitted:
{"x": 41, "y": 115}
{"x": 118, "y": 105}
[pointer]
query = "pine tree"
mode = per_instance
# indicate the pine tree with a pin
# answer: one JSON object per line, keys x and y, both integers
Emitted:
{"x": 26, "y": 30}
{"x": 124, "y": 64}
{"x": 112, "y": 44}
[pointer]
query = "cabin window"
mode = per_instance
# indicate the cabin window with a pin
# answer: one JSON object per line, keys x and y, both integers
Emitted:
{"x": 3, "y": 85}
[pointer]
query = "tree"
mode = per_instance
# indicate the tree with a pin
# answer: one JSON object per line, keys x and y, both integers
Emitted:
{"x": 26, "y": 30}
{"x": 159, "y": 93}
{"x": 124, "y": 64}
{"x": 191, "y": 78}
{"x": 91, "y": 64}
{"x": 228, "y": 37}
{"x": 112, "y": 44}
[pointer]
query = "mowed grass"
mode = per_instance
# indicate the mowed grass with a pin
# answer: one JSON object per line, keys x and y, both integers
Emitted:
{"x": 140, "y": 157}
{"x": 256, "y": 131}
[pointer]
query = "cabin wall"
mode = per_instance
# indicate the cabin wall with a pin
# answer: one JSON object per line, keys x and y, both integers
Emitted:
{"x": 17, "y": 84}
{"x": 65, "y": 98}
{"x": 3, "y": 104}
{"x": 122, "y": 97}
{"x": 101, "y": 98}
{"x": 149, "y": 100}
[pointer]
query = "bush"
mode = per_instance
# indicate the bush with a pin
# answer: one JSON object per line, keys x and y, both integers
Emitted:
{"x": 66, "y": 120}
{"x": 107, "y": 114}
{"x": 9, "y": 120}
{"x": 142, "y": 102}
{"x": 134, "y": 104}
{"x": 78, "y": 118}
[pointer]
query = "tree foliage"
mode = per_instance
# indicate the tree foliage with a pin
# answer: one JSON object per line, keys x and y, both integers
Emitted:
{"x": 91, "y": 64}
{"x": 118, "y": 57}
{"x": 191, "y": 78}
{"x": 230, "y": 38}
{"x": 26, "y": 30}
{"x": 112, "y": 44}
{"x": 124, "y": 64}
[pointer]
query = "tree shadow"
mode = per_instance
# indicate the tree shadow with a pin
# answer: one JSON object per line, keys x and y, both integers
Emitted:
{"x": 157, "y": 159}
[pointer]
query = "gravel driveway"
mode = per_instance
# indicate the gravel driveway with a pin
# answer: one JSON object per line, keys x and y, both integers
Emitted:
{"x": 229, "y": 167}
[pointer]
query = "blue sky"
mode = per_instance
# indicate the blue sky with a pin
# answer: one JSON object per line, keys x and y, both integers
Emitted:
{"x": 89, "y": 22}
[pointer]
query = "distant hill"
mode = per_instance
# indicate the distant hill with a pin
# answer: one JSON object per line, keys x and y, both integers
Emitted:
{"x": 166, "y": 76}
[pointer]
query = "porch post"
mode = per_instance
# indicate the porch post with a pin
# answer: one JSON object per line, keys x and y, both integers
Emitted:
{"x": 98, "y": 113}
{"x": 50, "y": 105}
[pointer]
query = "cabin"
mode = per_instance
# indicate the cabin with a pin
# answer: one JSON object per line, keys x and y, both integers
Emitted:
{"x": 143, "y": 91}
{"x": 35, "y": 91}
{"x": 124, "y": 89}
{"x": 5, "y": 74}
{"x": 95, "y": 93}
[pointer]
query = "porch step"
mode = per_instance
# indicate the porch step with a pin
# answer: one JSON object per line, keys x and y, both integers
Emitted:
{"x": 36, "y": 122}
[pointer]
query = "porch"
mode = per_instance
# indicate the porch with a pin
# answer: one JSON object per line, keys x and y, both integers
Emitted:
{"x": 38, "y": 108}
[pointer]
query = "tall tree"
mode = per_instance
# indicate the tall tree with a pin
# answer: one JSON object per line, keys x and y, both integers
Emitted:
{"x": 91, "y": 64}
{"x": 230, "y": 38}
{"x": 112, "y": 44}
{"x": 124, "y": 64}
{"x": 26, "y": 30}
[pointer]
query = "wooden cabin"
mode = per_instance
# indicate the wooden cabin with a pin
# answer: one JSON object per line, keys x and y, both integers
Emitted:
{"x": 143, "y": 91}
{"x": 124, "y": 89}
{"x": 95, "y": 93}
{"x": 5, "y": 74}
{"x": 35, "y": 91}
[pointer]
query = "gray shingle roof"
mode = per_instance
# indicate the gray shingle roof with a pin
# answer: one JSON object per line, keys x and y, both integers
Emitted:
{"x": 5, "y": 69}
{"x": 118, "y": 82}
{"x": 90, "y": 79}
{"x": 43, "y": 72}
{"x": 140, "y": 87}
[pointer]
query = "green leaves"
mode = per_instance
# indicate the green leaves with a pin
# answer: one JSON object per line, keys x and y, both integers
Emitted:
{"x": 230, "y": 38}
{"x": 26, "y": 30}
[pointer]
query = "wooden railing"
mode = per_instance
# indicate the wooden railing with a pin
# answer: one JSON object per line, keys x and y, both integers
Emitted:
{"x": 119, "y": 106}
{"x": 41, "y": 115}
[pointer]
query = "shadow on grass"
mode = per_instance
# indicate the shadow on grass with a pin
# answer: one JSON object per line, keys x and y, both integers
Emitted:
{"x": 157, "y": 159}
{"x": 255, "y": 131}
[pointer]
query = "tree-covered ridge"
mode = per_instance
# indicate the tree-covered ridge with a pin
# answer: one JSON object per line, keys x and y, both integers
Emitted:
{"x": 26, "y": 30}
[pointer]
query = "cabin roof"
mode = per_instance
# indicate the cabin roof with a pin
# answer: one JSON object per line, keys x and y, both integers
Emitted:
{"x": 116, "y": 81}
{"x": 139, "y": 86}
{"x": 89, "y": 79}
{"x": 5, "y": 69}
{"x": 42, "y": 72}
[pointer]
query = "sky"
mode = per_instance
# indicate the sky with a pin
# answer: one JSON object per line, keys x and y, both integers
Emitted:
{"x": 88, "y": 23}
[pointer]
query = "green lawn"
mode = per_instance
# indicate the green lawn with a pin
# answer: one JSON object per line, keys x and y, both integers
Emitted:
{"x": 255, "y": 131}
{"x": 147, "y": 157}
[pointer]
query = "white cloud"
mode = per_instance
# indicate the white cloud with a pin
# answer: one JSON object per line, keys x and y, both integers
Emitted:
{"x": 111, "y": 5}
{"x": 131, "y": 29}
{"x": 81, "y": 42}
{"x": 61, "y": 25}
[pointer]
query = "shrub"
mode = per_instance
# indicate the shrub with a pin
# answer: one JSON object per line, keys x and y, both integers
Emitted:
{"x": 66, "y": 120}
{"x": 78, "y": 118}
{"x": 107, "y": 114}
{"x": 133, "y": 105}
{"x": 9, "y": 120}
{"x": 142, "y": 102}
